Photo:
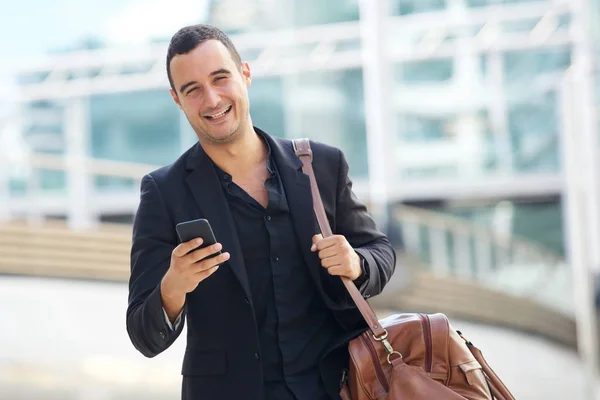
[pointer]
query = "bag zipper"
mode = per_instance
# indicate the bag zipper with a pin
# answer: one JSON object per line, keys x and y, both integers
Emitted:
{"x": 344, "y": 378}
{"x": 427, "y": 336}
{"x": 378, "y": 370}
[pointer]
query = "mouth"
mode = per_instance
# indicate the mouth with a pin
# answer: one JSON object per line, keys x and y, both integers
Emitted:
{"x": 218, "y": 116}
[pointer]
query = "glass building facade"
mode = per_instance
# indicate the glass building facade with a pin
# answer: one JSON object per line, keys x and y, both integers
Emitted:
{"x": 466, "y": 113}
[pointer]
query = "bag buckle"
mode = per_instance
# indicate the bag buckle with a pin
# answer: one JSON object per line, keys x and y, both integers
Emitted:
{"x": 382, "y": 337}
{"x": 302, "y": 148}
{"x": 387, "y": 345}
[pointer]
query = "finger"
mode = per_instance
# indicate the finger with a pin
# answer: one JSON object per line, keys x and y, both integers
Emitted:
{"x": 327, "y": 242}
{"x": 205, "y": 274}
{"x": 185, "y": 247}
{"x": 331, "y": 261}
{"x": 211, "y": 263}
{"x": 338, "y": 270}
{"x": 315, "y": 239}
{"x": 328, "y": 252}
{"x": 204, "y": 252}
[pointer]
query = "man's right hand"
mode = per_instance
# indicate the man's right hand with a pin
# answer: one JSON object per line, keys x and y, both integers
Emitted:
{"x": 186, "y": 272}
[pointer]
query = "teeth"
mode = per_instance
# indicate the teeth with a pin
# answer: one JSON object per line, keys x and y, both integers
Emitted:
{"x": 215, "y": 116}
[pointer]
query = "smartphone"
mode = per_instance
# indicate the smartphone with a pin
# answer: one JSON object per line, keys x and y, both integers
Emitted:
{"x": 198, "y": 228}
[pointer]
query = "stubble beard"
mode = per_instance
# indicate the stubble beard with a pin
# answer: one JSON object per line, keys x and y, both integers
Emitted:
{"x": 206, "y": 136}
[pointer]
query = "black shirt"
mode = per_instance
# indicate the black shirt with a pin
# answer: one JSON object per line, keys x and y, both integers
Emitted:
{"x": 294, "y": 324}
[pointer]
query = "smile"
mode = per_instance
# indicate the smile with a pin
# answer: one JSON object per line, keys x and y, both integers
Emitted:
{"x": 219, "y": 115}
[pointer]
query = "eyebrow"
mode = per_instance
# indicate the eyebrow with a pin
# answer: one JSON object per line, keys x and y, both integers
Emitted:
{"x": 217, "y": 72}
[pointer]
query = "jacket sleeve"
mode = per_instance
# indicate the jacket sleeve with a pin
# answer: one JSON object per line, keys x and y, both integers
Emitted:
{"x": 354, "y": 222}
{"x": 153, "y": 241}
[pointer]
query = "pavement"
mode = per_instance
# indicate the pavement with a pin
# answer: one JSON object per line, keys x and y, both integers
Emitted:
{"x": 66, "y": 340}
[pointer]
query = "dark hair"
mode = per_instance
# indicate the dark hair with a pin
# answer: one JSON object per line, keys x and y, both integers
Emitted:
{"x": 190, "y": 37}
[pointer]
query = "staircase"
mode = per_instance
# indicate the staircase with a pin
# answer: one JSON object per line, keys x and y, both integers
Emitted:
{"x": 52, "y": 250}
{"x": 448, "y": 266}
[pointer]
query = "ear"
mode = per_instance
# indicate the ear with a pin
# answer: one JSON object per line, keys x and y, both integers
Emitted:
{"x": 247, "y": 74}
{"x": 175, "y": 98}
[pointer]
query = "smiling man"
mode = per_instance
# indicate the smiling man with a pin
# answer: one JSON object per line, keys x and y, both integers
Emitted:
{"x": 268, "y": 318}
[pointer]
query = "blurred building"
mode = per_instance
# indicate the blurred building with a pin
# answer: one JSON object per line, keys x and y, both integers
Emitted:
{"x": 468, "y": 107}
{"x": 450, "y": 104}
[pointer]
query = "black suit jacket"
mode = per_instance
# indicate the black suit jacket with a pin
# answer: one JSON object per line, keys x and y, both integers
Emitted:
{"x": 222, "y": 357}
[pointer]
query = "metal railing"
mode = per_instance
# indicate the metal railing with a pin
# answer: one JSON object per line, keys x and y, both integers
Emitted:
{"x": 452, "y": 246}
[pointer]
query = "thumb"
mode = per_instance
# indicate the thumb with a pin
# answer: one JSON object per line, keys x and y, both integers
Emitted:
{"x": 315, "y": 239}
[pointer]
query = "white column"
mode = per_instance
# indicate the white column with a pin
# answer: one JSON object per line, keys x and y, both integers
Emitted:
{"x": 578, "y": 222}
{"x": 468, "y": 130}
{"x": 468, "y": 82}
{"x": 583, "y": 62}
{"x": 586, "y": 192}
{"x": 378, "y": 85}
{"x": 498, "y": 111}
{"x": 79, "y": 180}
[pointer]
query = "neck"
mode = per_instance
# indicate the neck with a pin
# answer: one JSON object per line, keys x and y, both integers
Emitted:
{"x": 242, "y": 155}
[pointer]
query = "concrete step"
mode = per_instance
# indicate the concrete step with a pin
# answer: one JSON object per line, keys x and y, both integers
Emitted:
{"x": 428, "y": 293}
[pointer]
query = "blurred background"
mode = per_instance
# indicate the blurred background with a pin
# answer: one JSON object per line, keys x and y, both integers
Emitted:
{"x": 470, "y": 127}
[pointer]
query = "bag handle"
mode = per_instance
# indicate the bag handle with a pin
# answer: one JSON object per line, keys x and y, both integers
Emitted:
{"x": 497, "y": 387}
{"x": 303, "y": 151}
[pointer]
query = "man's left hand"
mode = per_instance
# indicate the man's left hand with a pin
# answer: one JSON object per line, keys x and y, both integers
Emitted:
{"x": 337, "y": 256}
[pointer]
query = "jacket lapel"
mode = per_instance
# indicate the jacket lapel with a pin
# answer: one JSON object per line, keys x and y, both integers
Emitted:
{"x": 299, "y": 198}
{"x": 205, "y": 186}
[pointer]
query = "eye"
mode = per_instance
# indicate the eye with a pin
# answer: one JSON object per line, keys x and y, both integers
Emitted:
{"x": 192, "y": 90}
{"x": 220, "y": 78}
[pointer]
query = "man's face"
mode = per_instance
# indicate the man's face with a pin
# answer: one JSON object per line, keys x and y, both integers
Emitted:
{"x": 212, "y": 92}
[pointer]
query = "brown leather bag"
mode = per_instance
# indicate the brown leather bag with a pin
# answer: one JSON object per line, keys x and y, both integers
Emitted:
{"x": 407, "y": 356}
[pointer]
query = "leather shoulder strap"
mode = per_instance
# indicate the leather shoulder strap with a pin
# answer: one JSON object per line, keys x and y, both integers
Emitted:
{"x": 304, "y": 152}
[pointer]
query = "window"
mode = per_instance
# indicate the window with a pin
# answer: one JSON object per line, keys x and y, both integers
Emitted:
{"x": 483, "y": 3}
{"x": 533, "y": 130}
{"x": 423, "y": 129}
{"x": 266, "y": 105}
{"x": 425, "y": 71}
{"x": 135, "y": 127}
{"x": 405, "y": 7}
{"x": 238, "y": 16}
{"x": 523, "y": 65}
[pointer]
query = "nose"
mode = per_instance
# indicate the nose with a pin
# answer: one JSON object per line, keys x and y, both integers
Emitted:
{"x": 211, "y": 98}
